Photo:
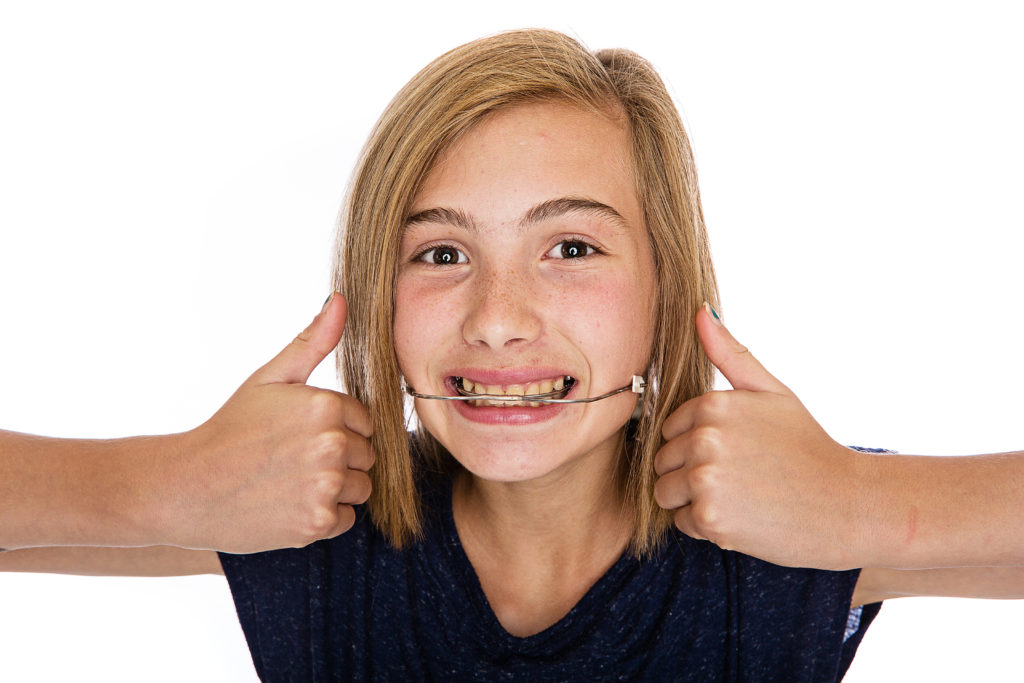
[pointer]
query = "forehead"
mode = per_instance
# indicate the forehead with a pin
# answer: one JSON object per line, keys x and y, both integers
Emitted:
{"x": 527, "y": 153}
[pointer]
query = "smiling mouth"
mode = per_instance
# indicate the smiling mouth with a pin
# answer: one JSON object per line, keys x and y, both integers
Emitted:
{"x": 514, "y": 395}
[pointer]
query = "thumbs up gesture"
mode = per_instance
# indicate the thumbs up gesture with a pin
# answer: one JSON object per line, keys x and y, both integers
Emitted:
{"x": 751, "y": 470}
{"x": 280, "y": 464}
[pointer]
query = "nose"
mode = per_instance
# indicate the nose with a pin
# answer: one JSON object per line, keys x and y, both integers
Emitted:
{"x": 502, "y": 311}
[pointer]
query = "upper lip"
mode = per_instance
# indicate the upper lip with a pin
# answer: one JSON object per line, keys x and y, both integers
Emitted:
{"x": 507, "y": 376}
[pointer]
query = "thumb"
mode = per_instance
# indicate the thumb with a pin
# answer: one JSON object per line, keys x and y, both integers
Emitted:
{"x": 732, "y": 358}
{"x": 296, "y": 362}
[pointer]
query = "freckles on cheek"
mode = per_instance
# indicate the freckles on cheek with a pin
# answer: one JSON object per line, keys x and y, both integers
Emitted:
{"x": 407, "y": 313}
{"x": 421, "y": 316}
{"x": 605, "y": 314}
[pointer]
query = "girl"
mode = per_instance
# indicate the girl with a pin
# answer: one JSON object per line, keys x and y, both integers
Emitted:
{"x": 525, "y": 221}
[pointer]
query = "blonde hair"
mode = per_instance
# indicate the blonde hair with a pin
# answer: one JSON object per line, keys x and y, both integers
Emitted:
{"x": 438, "y": 105}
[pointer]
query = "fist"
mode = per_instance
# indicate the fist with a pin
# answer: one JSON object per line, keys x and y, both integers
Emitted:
{"x": 751, "y": 470}
{"x": 281, "y": 463}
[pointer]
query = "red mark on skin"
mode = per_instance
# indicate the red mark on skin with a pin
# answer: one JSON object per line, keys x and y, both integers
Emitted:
{"x": 912, "y": 524}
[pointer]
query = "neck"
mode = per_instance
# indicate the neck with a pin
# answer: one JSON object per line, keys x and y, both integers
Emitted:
{"x": 538, "y": 546}
{"x": 551, "y": 516}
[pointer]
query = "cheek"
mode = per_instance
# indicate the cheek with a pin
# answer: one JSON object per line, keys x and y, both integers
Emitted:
{"x": 422, "y": 319}
{"x": 410, "y": 317}
{"x": 609, "y": 317}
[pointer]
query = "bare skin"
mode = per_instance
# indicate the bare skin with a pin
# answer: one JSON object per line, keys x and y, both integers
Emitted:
{"x": 532, "y": 573}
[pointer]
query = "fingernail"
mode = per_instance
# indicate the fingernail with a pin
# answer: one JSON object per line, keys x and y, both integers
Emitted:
{"x": 714, "y": 314}
{"x": 327, "y": 301}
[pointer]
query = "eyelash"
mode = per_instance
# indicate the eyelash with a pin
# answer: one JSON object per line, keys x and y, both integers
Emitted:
{"x": 421, "y": 255}
{"x": 593, "y": 250}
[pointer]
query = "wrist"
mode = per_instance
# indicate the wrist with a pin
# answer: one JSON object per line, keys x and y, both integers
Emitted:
{"x": 878, "y": 525}
{"x": 898, "y": 525}
{"x": 160, "y": 503}
{"x": 141, "y": 507}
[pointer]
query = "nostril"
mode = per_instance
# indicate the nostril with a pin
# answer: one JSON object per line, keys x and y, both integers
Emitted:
{"x": 501, "y": 320}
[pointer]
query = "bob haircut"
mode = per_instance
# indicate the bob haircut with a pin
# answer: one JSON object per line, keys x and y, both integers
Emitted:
{"x": 442, "y": 102}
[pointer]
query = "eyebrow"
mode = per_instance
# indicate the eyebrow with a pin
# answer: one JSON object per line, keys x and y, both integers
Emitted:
{"x": 546, "y": 210}
{"x": 443, "y": 215}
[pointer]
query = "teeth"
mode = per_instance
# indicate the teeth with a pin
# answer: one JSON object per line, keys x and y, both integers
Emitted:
{"x": 540, "y": 387}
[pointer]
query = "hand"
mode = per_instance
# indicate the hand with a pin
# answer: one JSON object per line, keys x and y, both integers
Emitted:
{"x": 280, "y": 464}
{"x": 751, "y": 470}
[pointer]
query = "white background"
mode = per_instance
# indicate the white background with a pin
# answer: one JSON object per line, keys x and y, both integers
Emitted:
{"x": 170, "y": 174}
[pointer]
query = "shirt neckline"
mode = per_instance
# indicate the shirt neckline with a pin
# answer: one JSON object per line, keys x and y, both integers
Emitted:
{"x": 569, "y": 626}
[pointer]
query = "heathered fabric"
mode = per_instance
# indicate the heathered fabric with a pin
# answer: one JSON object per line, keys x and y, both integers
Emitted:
{"x": 354, "y": 609}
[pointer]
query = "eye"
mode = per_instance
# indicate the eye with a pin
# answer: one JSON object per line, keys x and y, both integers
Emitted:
{"x": 442, "y": 255}
{"x": 572, "y": 249}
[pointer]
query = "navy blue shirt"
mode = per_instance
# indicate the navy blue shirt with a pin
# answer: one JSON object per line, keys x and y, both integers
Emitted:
{"x": 354, "y": 608}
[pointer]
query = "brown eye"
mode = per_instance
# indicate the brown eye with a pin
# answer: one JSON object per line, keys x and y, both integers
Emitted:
{"x": 443, "y": 256}
{"x": 571, "y": 249}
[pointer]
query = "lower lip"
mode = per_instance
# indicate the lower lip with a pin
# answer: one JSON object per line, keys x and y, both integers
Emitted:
{"x": 508, "y": 415}
{"x": 511, "y": 415}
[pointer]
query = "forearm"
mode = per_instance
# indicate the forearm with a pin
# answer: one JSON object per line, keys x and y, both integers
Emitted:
{"x": 85, "y": 561}
{"x": 57, "y": 492}
{"x": 992, "y": 583}
{"x": 923, "y": 511}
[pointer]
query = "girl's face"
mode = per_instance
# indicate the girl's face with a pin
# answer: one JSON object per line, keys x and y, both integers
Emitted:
{"x": 527, "y": 261}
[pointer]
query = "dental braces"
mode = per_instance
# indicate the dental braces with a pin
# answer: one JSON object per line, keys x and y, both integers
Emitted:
{"x": 636, "y": 386}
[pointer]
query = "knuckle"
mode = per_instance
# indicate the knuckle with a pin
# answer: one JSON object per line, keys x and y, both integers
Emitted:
{"x": 324, "y": 406}
{"x": 704, "y": 478}
{"x": 715, "y": 404}
{"x": 329, "y": 484}
{"x": 706, "y": 519}
{"x": 321, "y": 521}
{"x": 706, "y": 440}
{"x": 333, "y": 442}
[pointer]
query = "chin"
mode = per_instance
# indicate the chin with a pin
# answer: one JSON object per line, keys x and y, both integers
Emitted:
{"x": 523, "y": 452}
{"x": 506, "y": 463}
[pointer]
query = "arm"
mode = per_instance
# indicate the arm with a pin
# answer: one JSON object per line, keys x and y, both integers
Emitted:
{"x": 280, "y": 464}
{"x": 996, "y": 583}
{"x": 751, "y": 470}
{"x": 927, "y": 511}
{"x": 57, "y": 492}
{"x": 152, "y": 561}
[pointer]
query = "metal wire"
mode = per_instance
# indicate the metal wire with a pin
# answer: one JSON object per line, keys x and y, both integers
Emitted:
{"x": 636, "y": 386}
